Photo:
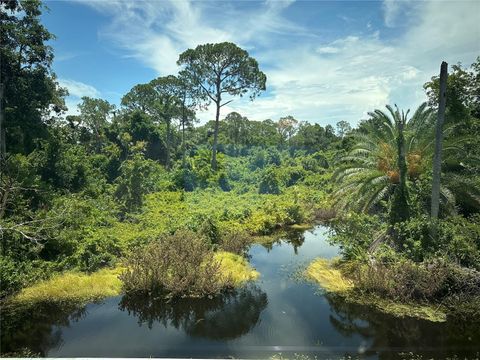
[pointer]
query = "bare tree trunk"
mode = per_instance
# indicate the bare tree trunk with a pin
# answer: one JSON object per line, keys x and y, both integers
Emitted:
{"x": 437, "y": 157}
{"x": 168, "y": 145}
{"x": 215, "y": 138}
{"x": 184, "y": 149}
{"x": 184, "y": 120}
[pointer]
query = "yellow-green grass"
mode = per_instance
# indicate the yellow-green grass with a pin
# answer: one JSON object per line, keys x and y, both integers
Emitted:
{"x": 324, "y": 273}
{"x": 74, "y": 286}
{"x": 321, "y": 271}
{"x": 420, "y": 311}
{"x": 235, "y": 268}
{"x": 303, "y": 226}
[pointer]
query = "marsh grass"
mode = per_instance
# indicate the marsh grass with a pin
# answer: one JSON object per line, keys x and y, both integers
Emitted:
{"x": 327, "y": 274}
{"x": 234, "y": 268}
{"x": 331, "y": 279}
{"x": 73, "y": 287}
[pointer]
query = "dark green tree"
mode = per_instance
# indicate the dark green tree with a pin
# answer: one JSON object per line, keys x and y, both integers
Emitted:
{"x": 222, "y": 69}
{"x": 29, "y": 93}
{"x": 94, "y": 116}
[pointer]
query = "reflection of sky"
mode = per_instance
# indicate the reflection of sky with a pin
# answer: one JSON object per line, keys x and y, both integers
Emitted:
{"x": 296, "y": 318}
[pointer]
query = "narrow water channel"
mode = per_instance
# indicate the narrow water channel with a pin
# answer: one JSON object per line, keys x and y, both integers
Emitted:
{"x": 279, "y": 313}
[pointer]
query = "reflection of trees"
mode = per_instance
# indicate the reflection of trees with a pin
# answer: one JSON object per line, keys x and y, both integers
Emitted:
{"x": 224, "y": 317}
{"x": 296, "y": 238}
{"x": 35, "y": 326}
{"x": 391, "y": 335}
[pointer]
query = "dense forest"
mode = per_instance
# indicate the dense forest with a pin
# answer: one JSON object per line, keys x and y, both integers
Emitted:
{"x": 144, "y": 189}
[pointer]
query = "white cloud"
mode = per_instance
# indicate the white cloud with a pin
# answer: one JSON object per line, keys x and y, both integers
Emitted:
{"x": 391, "y": 9}
{"x": 76, "y": 91}
{"x": 327, "y": 50}
{"x": 308, "y": 77}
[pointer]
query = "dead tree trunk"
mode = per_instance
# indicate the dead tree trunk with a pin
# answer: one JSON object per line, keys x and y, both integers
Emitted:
{"x": 437, "y": 157}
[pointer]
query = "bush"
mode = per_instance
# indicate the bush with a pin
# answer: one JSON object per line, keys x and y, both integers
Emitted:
{"x": 354, "y": 233}
{"x": 177, "y": 265}
{"x": 184, "y": 179}
{"x": 15, "y": 275}
{"x": 458, "y": 239}
{"x": 209, "y": 229}
{"x": 269, "y": 184}
{"x": 403, "y": 280}
{"x": 138, "y": 176}
{"x": 236, "y": 241}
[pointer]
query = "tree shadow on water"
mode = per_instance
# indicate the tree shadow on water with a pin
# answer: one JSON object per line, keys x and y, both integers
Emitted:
{"x": 35, "y": 328}
{"x": 390, "y": 337}
{"x": 224, "y": 317}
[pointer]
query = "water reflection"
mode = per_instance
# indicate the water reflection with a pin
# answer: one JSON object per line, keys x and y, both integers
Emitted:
{"x": 36, "y": 328}
{"x": 295, "y": 238}
{"x": 224, "y": 317}
{"x": 276, "y": 313}
{"x": 390, "y": 336}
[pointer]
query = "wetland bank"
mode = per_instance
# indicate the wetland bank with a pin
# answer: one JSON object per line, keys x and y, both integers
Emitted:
{"x": 277, "y": 313}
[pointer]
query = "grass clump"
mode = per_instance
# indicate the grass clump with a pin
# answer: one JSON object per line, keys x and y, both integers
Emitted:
{"x": 74, "y": 287}
{"x": 329, "y": 278}
{"x": 184, "y": 265}
{"x": 234, "y": 268}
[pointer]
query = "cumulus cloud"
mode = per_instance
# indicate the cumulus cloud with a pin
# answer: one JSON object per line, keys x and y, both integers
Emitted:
{"x": 308, "y": 77}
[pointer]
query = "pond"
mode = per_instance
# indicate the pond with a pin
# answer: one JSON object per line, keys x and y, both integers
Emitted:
{"x": 279, "y": 313}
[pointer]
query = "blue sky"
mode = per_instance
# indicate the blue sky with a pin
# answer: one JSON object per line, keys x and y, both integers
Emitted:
{"x": 325, "y": 61}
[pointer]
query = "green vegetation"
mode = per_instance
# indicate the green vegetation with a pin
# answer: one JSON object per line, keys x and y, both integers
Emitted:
{"x": 331, "y": 278}
{"x": 73, "y": 287}
{"x": 184, "y": 264}
{"x": 178, "y": 204}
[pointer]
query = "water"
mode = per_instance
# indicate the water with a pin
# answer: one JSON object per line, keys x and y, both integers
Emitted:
{"x": 279, "y": 313}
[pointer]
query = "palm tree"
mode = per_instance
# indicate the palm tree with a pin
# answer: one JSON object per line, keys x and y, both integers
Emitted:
{"x": 370, "y": 172}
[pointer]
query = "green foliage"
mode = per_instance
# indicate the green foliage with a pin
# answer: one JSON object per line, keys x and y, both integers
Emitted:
{"x": 354, "y": 233}
{"x": 31, "y": 89}
{"x": 86, "y": 192}
{"x": 138, "y": 176}
{"x": 458, "y": 239}
{"x": 370, "y": 174}
{"x": 269, "y": 183}
{"x": 217, "y": 69}
{"x": 15, "y": 275}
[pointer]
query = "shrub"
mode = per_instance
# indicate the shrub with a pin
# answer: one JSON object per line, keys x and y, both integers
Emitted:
{"x": 354, "y": 233}
{"x": 236, "y": 241}
{"x": 269, "y": 184}
{"x": 177, "y": 265}
{"x": 15, "y": 275}
{"x": 184, "y": 179}
{"x": 401, "y": 279}
{"x": 223, "y": 182}
{"x": 209, "y": 229}
{"x": 96, "y": 252}
{"x": 458, "y": 239}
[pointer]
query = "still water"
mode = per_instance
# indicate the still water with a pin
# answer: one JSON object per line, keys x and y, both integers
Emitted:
{"x": 279, "y": 313}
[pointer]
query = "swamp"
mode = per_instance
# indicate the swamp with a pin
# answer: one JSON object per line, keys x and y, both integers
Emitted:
{"x": 236, "y": 179}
